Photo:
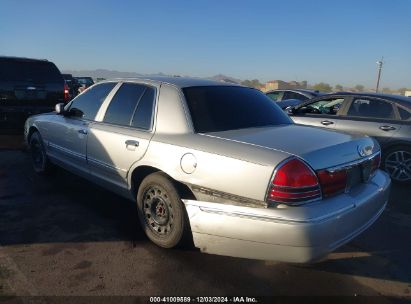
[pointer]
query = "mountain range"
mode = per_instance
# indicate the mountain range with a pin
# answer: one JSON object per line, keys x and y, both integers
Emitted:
{"x": 109, "y": 74}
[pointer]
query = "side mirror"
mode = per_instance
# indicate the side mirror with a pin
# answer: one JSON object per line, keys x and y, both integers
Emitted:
{"x": 59, "y": 108}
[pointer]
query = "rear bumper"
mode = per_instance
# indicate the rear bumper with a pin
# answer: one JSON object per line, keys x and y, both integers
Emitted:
{"x": 300, "y": 234}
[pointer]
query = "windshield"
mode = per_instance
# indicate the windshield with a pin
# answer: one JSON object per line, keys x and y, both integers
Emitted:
{"x": 222, "y": 108}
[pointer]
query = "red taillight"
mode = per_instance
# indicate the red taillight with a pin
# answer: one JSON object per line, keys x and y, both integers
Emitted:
{"x": 294, "y": 183}
{"x": 332, "y": 182}
{"x": 66, "y": 92}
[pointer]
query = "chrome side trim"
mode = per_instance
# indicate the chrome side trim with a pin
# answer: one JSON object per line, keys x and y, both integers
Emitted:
{"x": 104, "y": 165}
{"x": 228, "y": 196}
{"x": 350, "y": 164}
{"x": 67, "y": 151}
{"x": 269, "y": 218}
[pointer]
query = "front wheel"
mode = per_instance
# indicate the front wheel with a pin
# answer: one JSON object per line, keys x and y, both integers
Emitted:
{"x": 41, "y": 164}
{"x": 397, "y": 163}
{"x": 161, "y": 211}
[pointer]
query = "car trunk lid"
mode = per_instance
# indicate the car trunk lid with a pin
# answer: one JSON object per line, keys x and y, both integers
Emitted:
{"x": 320, "y": 148}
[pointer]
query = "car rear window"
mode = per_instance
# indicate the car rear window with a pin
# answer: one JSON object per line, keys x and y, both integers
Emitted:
{"x": 85, "y": 80}
{"x": 221, "y": 108}
{"x": 33, "y": 71}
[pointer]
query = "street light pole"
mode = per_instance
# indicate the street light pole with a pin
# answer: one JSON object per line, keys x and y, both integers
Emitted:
{"x": 379, "y": 65}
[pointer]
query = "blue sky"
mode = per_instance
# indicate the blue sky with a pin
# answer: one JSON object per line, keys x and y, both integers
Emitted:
{"x": 329, "y": 41}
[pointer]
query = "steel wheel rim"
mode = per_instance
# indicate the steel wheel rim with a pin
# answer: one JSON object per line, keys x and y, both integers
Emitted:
{"x": 158, "y": 211}
{"x": 37, "y": 154}
{"x": 398, "y": 165}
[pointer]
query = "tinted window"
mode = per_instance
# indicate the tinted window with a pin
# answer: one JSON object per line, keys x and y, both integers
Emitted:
{"x": 372, "y": 108}
{"x": 220, "y": 108}
{"x": 294, "y": 95}
{"x": 123, "y": 104}
{"x": 85, "y": 81}
{"x": 35, "y": 71}
{"x": 87, "y": 104}
{"x": 325, "y": 106}
{"x": 404, "y": 114}
{"x": 144, "y": 113}
{"x": 276, "y": 96}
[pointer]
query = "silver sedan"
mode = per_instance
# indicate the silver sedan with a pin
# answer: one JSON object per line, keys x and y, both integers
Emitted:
{"x": 216, "y": 163}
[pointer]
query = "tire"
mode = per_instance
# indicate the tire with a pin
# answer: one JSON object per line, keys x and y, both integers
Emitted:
{"x": 396, "y": 162}
{"x": 40, "y": 161}
{"x": 161, "y": 211}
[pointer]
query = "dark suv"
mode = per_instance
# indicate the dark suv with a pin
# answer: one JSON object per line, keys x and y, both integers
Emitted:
{"x": 27, "y": 86}
{"x": 387, "y": 118}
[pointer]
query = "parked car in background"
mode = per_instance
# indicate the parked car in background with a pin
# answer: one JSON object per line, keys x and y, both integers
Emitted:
{"x": 72, "y": 84}
{"x": 84, "y": 83}
{"x": 387, "y": 118}
{"x": 218, "y": 163}
{"x": 27, "y": 86}
{"x": 286, "y": 98}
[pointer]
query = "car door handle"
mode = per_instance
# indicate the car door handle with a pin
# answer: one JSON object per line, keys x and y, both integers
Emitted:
{"x": 133, "y": 143}
{"x": 327, "y": 122}
{"x": 82, "y": 131}
{"x": 387, "y": 128}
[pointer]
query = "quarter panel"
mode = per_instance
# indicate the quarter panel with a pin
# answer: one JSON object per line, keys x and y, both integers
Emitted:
{"x": 213, "y": 171}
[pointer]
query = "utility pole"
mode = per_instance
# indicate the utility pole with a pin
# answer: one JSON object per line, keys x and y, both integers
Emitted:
{"x": 379, "y": 66}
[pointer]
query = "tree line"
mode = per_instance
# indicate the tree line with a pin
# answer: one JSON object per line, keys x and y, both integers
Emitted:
{"x": 327, "y": 88}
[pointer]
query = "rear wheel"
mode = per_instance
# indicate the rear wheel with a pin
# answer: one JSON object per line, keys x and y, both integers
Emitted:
{"x": 41, "y": 164}
{"x": 161, "y": 211}
{"x": 397, "y": 163}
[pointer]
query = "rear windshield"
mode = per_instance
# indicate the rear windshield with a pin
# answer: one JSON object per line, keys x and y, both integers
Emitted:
{"x": 85, "y": 80}
{"x": 222, "y": 108}
{"x": 35, "y": 71}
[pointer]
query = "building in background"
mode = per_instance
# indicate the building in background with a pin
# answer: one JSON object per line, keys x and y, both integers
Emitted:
{"x": 407, "y": 93}
{"x": 283, "y": 85}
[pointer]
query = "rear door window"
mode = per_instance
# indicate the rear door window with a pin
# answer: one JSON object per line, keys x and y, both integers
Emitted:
{"x": 143, "y": 115}
{"x": 371, "y": 108}
{"x": 123, "y": 105}
{"x": 131, "y": 106}
{"x": 87, "y": 104}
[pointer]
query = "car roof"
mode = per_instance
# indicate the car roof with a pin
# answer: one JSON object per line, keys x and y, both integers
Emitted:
{"x": 402, "y": 100}
{"x": 314, "y": 92}
{"x": 180, "y": 82}
{"x": 22, "y": 59}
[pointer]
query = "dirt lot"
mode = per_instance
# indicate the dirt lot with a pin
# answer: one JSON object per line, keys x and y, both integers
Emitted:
{"x": 65, "y": 236}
